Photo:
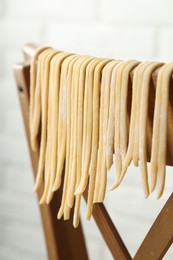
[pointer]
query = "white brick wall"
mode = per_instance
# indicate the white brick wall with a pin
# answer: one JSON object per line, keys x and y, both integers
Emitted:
{"x": 111, "y": 39}
{"x": 137, "y": 11}
{"x": 58, "y": 10}
{"x": 122, "y": 29}
{"x": 165, "y": 44}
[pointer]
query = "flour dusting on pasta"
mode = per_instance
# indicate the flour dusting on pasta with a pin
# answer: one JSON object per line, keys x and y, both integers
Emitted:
{"x": 79, "y": 115}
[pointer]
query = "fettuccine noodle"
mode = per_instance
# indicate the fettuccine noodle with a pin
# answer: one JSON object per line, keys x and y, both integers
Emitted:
{"x": 79, "y": 121}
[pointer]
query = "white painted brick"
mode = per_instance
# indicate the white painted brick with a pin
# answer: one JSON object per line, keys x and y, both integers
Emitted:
{"x": 169, "y": 254}
{"x": 11, "y": 57}
{"x": 61, "y": 10}
{"x": 118, "y": 42}
{"x": 19, "y": 196}
{"x": 1, "y": 8}
{"x": 8, "y": 93}
{"x": 15, "y": 33}
{"x": 2, "y": 169}
{"x": 165, "y": 49}
{"x": 137, "y": 11}
{"x": 18, "y": 179}
{"x": 6, "y": 106}
{"x": 15, "y": 202}
{"x": 12, "y": 123}
{"x": 27, "y": 239}
{"x": 13, "y": 150}
{"x": 8, "y": 253}
{"x": 2, "y": 64}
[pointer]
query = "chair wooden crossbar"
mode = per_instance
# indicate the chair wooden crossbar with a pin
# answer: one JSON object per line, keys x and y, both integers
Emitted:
{"x": 62, "y": 240}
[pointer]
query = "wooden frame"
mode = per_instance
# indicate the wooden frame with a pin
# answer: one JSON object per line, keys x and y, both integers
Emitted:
{"x": 62, "y": 240}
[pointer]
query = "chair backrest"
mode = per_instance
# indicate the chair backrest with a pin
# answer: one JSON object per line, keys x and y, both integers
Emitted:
{"x": 65, "y": 242}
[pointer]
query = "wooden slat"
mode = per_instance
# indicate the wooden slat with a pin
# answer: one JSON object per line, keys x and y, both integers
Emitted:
{"x": 109, "y": 232}
{"x": 160, "y": 236}
{"x": 63, "y": 241}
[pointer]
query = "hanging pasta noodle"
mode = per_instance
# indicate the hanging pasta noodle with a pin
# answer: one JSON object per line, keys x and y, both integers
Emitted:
{"x": 44, "y": 120}
{"x": 35, "y": 94}
{"x": 44, "y": 100}
{"x": 33, "y": 81}
{"x": 57, "y": 125}
{"x": 101, "y": 179}
{"x": 98, "y": 167}
{"x": 104, "y": 106}
{"x": 72, "y": 175}
{"x": 155, "y": 137}
{"x": 47, "y": 167}
{"x": 161, "y": 160}
{"x": 37, "y": 111}
{"x": 87, "y": 130}
{"x": 72, "y": 161}
{"x": 111, "y": 121}
{"x": 95, "y": 135}
{"x": 52, "y": 149}
{"x": 130, "y": 149}
{"x": 145, "y": 84}
{"x": 123, "y": 74}
{"x": 73, "y": 146}
{"x": 80, "y": 134}
{"x": 77, "y": 168}
{"x": 64, "y": 208}
{"x": 118, "y": 161}
{"x": 137, "y": 116}
{"x": 123, "y": 107}
{"x": 62, "y": 122}
{"x": 75, "y": 178}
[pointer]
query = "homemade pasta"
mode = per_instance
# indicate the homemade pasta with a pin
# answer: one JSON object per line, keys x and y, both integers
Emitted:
{"x": 81, "y": 124}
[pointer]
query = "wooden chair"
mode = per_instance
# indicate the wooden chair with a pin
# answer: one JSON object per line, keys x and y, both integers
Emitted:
{"x": 62, "y": 240}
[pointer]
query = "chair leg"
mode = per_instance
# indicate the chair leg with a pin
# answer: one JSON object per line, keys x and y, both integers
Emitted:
{"x": 62, "y": 240}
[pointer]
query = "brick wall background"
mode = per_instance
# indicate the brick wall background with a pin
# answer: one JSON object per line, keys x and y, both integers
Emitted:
{"x": 138, "y": 29}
